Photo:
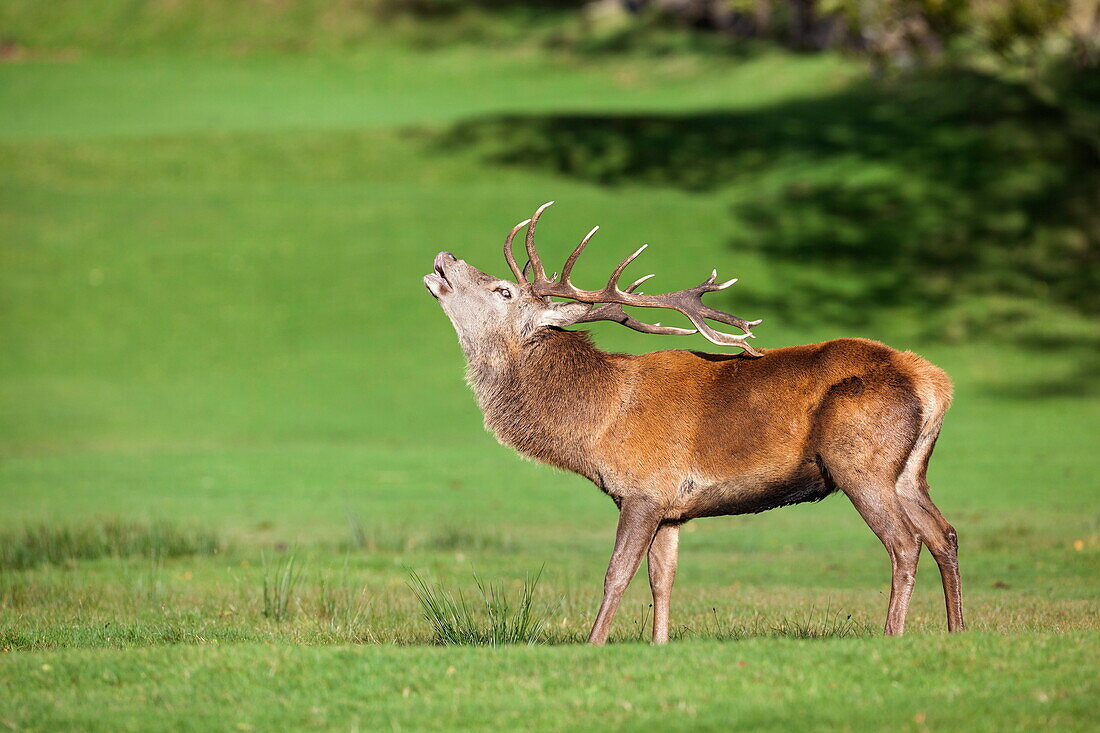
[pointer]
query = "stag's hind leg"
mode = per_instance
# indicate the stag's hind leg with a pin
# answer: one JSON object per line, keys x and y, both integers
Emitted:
{"x": 880, "y": 508}
{"x": 940, "y": 539}
{"x": 865, "y": 431}
{"x": 937, "y": 534}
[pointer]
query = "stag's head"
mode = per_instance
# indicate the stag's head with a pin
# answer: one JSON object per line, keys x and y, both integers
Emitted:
{"x": 487, "y": 310}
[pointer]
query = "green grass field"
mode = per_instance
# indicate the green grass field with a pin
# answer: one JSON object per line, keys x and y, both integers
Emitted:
{"x": 217, "y": 356}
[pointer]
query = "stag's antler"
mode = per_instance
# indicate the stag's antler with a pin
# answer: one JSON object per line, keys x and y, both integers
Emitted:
{"x": 612, "y": 298}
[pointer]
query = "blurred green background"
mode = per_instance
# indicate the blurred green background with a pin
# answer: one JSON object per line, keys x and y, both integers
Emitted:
{"x": 219, "y": 367}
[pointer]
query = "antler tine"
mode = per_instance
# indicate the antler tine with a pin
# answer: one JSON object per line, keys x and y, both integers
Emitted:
{"x": 539, "y": 272}
{"x": 721, "y": 337}
{"x": 717, "y": 315}
{"x": 613, "y": 281}
{"x": 709, "y": 286}
{"x": 634, "y": 285}
{"x": 614, "y": 312}
{"x": 568, "y": 266}
{"x": 509, "y": 255}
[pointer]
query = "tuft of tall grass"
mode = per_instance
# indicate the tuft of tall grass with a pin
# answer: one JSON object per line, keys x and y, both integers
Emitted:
{"x": 15, "y": 588}
{"x": 280, "y": 583}
{"x": 829, "y": 626}
{"x": 341, "y": 607}
{"x": 57, "y": 544}
{"x": 148, "y": 583}
{"x": 495, "y": 620}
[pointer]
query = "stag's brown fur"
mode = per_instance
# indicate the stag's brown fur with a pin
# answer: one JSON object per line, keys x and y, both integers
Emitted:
{"x": 710, "y": 434}
{"x": 673, "y": 436}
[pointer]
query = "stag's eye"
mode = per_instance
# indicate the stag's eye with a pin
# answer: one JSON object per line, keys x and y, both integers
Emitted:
{"x": 504, "y": 293}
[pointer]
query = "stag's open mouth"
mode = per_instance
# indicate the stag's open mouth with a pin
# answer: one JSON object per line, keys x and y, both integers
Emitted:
{"x": 437, "y": 282}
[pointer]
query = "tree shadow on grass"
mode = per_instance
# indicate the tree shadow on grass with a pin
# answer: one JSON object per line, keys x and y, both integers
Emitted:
{"x": 964, "y": 200}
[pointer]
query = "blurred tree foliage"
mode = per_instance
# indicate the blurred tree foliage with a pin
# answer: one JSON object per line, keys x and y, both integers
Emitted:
{"x": 958, "y": 195}
{"x": 899, "y": 33}
{"x": 963, "y": 182}
{"x": 966, "y": 190}
{"x": 893, "y": 33}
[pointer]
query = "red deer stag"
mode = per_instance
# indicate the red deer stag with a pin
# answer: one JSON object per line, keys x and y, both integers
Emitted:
{"x": 676, "y": 435}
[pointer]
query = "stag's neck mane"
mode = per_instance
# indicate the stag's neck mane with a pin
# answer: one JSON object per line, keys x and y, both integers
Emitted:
{"x": 548, "y": 397}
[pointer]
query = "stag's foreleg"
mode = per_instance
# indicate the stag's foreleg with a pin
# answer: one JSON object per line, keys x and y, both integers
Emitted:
{"x": 638, "y": 522}
{"x": 662, "y": 573}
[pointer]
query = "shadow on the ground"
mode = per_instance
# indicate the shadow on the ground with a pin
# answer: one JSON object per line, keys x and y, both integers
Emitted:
{"x": 965, "y": 201}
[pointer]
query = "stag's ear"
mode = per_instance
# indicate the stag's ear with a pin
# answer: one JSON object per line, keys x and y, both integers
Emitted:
{"x": 564, "y": 314}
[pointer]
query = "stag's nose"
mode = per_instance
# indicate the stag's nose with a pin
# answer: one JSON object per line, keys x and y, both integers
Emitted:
{"x": 443, "y": 258}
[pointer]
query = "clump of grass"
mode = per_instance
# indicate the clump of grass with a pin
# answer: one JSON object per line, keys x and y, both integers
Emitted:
{"x": 147, "y": 584}
{"x": 454, "y": 537}
{"x": 58, "y": 544}
{"x": 829, "y": 626}
{"x": 14, "y": 589}
{"x": 497, "y": 619}
{"x": 341, "y": 607}
{"x": 280, "y": 582}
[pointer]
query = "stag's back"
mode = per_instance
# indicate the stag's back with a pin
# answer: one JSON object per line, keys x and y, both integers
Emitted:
{"x": 754, "y": 423}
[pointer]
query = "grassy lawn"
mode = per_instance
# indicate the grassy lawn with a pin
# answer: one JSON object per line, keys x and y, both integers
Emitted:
{"x": 919, "y": 683}
{"x": 212, "y": 322}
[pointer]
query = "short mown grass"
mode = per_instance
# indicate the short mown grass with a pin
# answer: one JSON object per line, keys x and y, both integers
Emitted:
{"x": 393, "y": 537}
{"x": 812, "y": 624}
{"x": 213, "y": 334}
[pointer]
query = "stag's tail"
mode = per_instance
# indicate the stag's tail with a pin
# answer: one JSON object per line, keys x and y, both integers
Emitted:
{"x": 934, "y": 389}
